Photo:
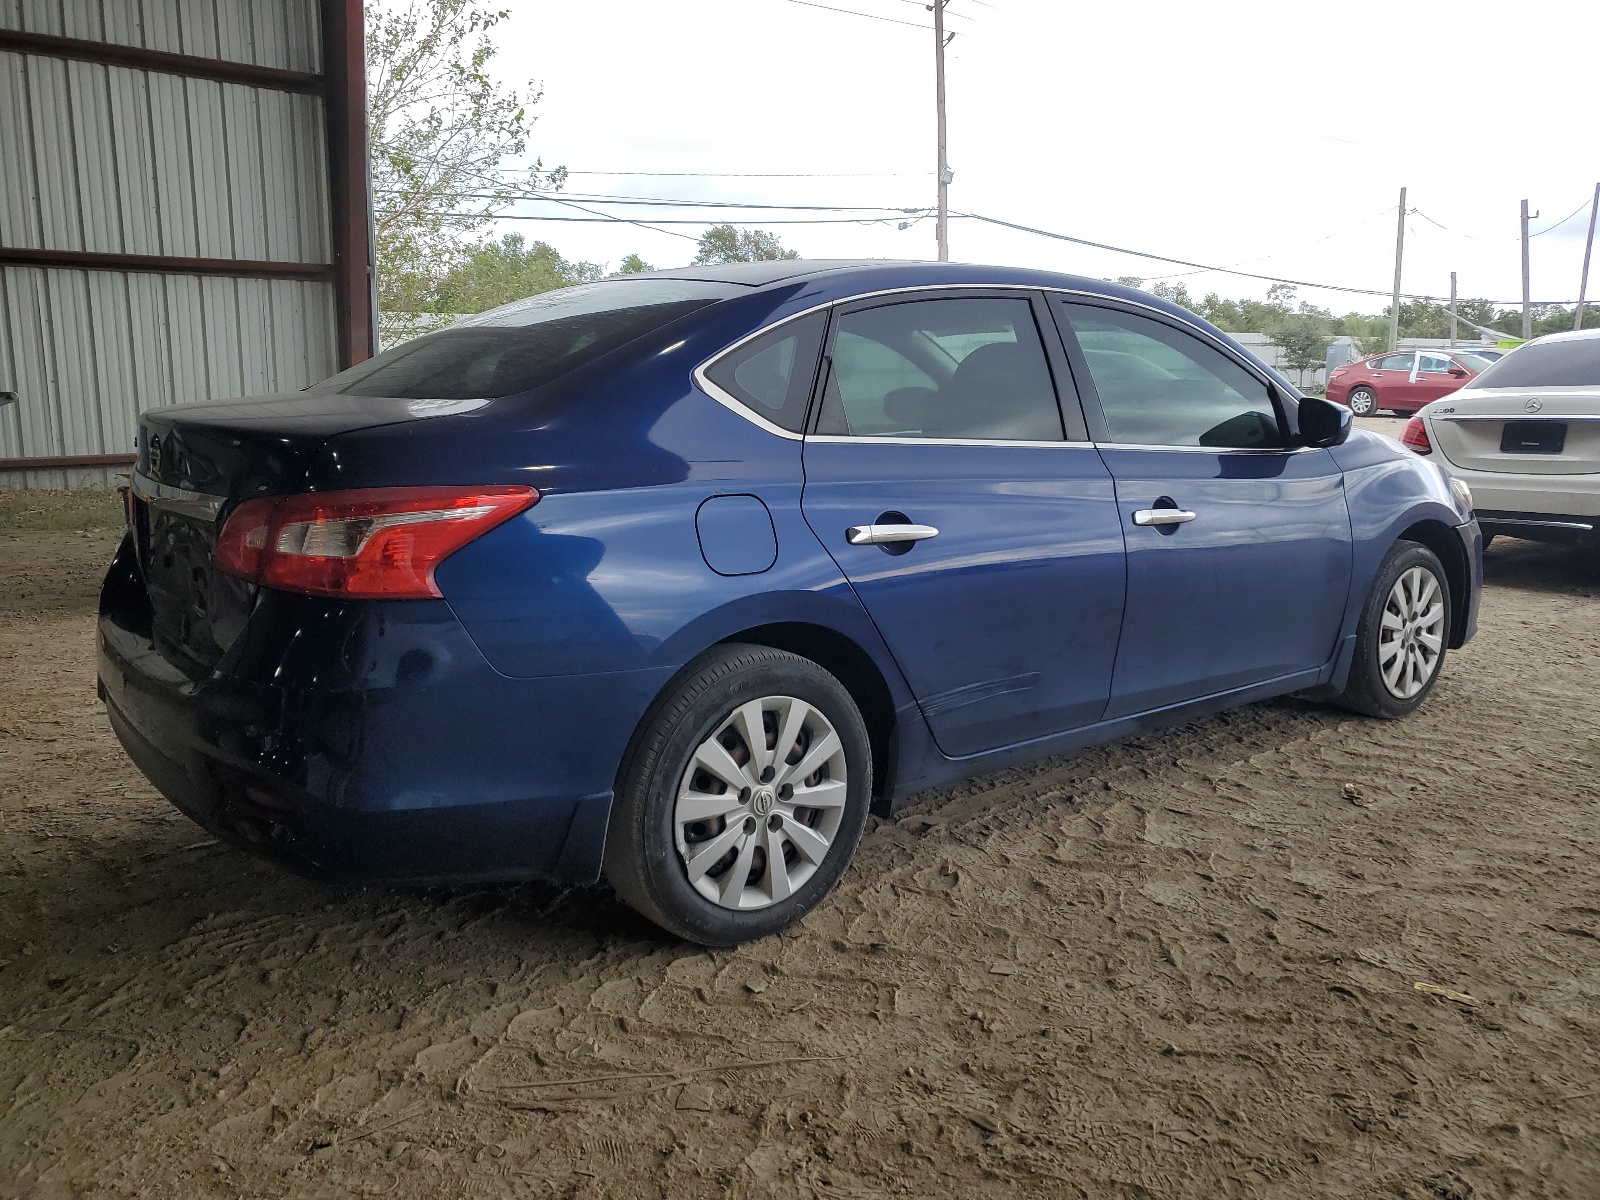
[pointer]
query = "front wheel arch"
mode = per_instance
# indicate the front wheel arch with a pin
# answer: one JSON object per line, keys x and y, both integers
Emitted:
{"x": 1452, "y": 555}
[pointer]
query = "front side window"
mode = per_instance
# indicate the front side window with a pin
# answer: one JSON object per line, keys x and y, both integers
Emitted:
{"x": 1569, "y": 363}
{"x": 1435, "y": 364}
{"x": 954, "y": 368}
{"x": 771, "y": 375}
{"x": 1160, "y": 386}
{"x": 528, "y": 343}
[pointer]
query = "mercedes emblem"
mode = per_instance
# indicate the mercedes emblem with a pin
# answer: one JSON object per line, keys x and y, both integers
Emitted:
{"x": 1534, "y": 405}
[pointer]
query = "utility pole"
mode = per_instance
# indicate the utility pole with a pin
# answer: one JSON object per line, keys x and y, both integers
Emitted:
{"x": 1588, "y": 249}
{"x": 1399, "y": 254}
{"x": 1452, "y": 308}
{"x": 945, "y": 174}
{"x": 1527, "y": 301}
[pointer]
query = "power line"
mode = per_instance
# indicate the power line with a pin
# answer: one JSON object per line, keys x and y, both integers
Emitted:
{"x": 1328, "y": 287}
{"x": 1563, "y": 220}
{"x": 601, "y": 217}
{"x": 850, "y": 12}
{"x": 678, "y": 202}
{"x": 764, "y": 174}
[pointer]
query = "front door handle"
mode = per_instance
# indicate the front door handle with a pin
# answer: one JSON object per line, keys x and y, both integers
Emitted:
{"x": 880, "y": 535}
{"x": 1162, "y": 516}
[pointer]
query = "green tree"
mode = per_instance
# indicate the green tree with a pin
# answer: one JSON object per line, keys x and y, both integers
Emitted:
{"x": 1304, "y": 339}
{"x": 439, "y": 129}
{"x": 496, "y": 273}
{"x": 634, "y": 265}
{"x": 1175, "y": 293}
{"x": 730, "y": 244}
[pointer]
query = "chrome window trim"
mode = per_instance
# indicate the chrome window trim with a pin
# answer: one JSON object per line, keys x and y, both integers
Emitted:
{"x": 727, "y": 399}
{"x": 738, "y": 406}
{"x": 179, "y": 500}
{"x": 1208, "y": 449}
{"x": 841, "y": 439}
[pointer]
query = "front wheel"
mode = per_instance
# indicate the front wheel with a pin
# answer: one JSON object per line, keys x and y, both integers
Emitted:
{"x": 743, "y": 797}
{"x": 1362, "y": 401}
{"x": 1400, "y": 641}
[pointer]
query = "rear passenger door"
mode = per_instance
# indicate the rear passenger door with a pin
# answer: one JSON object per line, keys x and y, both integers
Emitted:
{"x": 1239, "y": 546}
{"x": 978, "y": 529}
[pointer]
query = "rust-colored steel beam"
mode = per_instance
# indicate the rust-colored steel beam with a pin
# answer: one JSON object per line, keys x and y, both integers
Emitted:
{"x": 161, "y": 264}
{"x": 344, "y": 66}
{"x": 111, "y": 54}
{"x": 65, "y": 461}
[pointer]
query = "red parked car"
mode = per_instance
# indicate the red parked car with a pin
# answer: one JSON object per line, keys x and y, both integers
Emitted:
{"x": 1402, "y": 380}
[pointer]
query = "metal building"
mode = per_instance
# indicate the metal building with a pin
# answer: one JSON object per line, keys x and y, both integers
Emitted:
{"x": 184, "y": 214}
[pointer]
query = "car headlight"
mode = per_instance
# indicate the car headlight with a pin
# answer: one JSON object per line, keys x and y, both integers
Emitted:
{"x": 1463, "y": 495}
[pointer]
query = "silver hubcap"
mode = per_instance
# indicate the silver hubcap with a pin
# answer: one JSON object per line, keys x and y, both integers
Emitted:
{"x": 1411, "y": 638}
{"x": 1361, "y": 402}
{"x": 761, "y": 803}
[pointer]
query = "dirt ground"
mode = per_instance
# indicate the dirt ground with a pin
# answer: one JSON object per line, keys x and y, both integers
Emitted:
{"x": 1179, "y": 966}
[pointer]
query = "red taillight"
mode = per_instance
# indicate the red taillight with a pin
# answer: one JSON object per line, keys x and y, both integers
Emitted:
{"x": 376, "y": 542}
{"x": 1338, "y": 372}
{"x": 1415, "y": 436}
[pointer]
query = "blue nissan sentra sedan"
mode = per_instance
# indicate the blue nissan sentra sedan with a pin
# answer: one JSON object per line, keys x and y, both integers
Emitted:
{"x": 676, "y": 577}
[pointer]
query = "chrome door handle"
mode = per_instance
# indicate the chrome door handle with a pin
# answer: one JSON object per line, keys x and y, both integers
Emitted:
{"x": 1162, "y": 516}
{"x": 879, "y": 535}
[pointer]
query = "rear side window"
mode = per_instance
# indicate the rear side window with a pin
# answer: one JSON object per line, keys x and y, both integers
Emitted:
{"x": 1574, "y": 363}
{"x": 1393, "y": 362}
{"x": 528, "y": 343}
{"x": 771, "y": 375}
{"x": 1160, "y": 386}
{"x": 969, "y": 369}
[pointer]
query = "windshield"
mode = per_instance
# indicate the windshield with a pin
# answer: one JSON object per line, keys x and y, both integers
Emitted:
{"x": 527, "y": 343}
{"x": 1565, "y": 363}
{"x": 1473, "y": 362}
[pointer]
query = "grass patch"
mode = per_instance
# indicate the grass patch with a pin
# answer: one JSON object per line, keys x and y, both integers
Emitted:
{"x": 76, "y": 510}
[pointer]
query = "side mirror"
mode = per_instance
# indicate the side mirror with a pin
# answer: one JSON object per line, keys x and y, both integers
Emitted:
{"x": 1324, "y": 423}
{"x": 1458, "y": 372}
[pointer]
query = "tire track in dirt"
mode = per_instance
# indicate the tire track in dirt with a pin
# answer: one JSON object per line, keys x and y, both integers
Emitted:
{"x": 1176, "y": 966}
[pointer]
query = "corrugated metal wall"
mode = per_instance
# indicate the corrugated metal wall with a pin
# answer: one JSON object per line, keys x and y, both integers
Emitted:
{"x": 118, "y": 160}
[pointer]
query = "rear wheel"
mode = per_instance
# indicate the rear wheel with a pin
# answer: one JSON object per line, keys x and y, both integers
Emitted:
{"x": 742, "y": 799}
{"x": 1362, "y": 401}
{"x": 1400, "y": 641}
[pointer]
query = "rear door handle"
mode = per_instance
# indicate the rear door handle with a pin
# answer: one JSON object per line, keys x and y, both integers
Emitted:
{"x": 1162, "y": 516}
{"x": 879, "y": 535}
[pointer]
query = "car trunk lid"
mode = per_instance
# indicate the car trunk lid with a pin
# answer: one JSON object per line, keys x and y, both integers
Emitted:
{"x": 1524, "y": 431}
{"x": 195, "y": 462}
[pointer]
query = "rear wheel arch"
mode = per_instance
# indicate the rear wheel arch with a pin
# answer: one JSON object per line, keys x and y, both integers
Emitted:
{"x": 852, "y": 666}
{"x": 1446, "y": 544}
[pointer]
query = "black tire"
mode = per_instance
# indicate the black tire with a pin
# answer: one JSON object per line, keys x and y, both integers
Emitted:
{"x": 642, "y": 859}
{"x": 1362, "y": 401}
{"x": 1488, "y": 540}
{"x": 1366, "y": 691}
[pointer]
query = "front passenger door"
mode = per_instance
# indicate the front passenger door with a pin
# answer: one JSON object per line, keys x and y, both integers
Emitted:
{"x": 1239, "y": 546}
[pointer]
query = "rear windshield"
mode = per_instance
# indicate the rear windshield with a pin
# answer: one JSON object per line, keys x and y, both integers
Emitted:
{"x": 1574, "y": 363}
{"x": 527, "y": 343}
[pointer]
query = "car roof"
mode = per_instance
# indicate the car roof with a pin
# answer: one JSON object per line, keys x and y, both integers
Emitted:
{"x": 1570, "y": 335}
{"x": 837, "y": 278}
{"x": 757, "y": 274}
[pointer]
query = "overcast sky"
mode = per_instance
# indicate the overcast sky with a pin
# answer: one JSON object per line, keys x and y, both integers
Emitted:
{"x": 1272, "y": 136}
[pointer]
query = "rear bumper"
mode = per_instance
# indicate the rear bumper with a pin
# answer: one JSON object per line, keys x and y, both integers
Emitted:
{"x": 372, "y": 741}
{"x": 1530, "y": 495}
{"x": 1566, "y": 529}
